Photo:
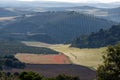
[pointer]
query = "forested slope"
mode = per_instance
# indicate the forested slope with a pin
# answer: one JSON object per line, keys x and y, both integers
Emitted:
{"x": 61, "y": 26}
{"x": 99, "y": 39}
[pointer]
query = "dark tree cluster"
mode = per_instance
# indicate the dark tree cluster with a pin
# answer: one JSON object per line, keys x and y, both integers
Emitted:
{"x": 13, "y": 47}
{"x": 99, "y": 39}
{"x": 110, "y": 70}
{"x": 11, "y": 62}
{"x": 33, "y": 76}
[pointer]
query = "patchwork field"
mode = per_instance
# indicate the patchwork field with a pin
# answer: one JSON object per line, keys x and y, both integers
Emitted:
{"x": 86, "y": 57}
{"x": 43, "y": 59}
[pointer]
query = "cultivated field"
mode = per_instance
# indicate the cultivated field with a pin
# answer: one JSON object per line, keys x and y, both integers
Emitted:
{"x": 43, "y": 59}
{"x": 86, "y": 57}
{"x": 36, "y": 44}
{"x": 50, "y": 70}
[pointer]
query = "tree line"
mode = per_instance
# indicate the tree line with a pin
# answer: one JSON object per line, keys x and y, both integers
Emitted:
{"x": 33, "y": 76}
{"x": 101, "y": 38}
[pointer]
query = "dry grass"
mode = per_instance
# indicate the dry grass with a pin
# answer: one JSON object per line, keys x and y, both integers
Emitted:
{"x": 6, "y": 18}
{"x": 86, "y": 57}
{"x": 36, "y": 44}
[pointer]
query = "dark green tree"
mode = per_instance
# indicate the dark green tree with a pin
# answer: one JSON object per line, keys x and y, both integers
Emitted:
{"x": 30, "y": 76}
{"x": 110, "y": 70}
{"x": 66, "y": 77}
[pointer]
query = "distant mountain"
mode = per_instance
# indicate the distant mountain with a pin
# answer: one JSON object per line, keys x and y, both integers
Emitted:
{"x": 106, "y": 13}
{"x": 35, "y": 4}
{"x": 9, "y": 12}
{"x": 110, "y": 11}
{"x": 16, "y": 3}
{"x": 60, "y": 26}
{"x": 74, "y": 8}
{"x": 6, "y": 13}
{"x": 101, "y": 38}
{"x": 112, "y": 14}
{"x": 27, "y": 37}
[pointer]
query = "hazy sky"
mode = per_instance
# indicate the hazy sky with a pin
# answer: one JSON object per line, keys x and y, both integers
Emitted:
{"x": 82, "y": 1}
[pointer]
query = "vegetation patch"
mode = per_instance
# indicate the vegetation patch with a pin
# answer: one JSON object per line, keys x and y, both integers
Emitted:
{"x": 8, "y": 62}
{"x": 101, "y": 38}
{"x": 110, "y": 69}
{"x": 33, "y": 76}
{"x": 13, "y": 47}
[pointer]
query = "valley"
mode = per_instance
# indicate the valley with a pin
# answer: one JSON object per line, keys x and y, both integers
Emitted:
{"x": 50, "y": 40}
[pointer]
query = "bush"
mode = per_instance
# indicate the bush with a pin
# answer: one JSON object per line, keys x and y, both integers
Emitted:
{"x": 110, "y": 70}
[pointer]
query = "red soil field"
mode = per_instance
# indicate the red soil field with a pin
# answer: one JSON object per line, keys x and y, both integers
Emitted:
{"x": 44, "y": 58}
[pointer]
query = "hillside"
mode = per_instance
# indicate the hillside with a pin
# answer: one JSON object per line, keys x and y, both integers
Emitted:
{"x": 4, "y": 12}
{"x": 85, "y": 57}
{"x": 13, "y": 47}
{"x": 61, "y": 26}
{"x": 27, "y": 37}
{"x": 112, "y": 14}
{"x": 99, "y": 39}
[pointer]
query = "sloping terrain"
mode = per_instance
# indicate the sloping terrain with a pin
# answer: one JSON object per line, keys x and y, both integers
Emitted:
{"x": 43, "y": 58}
{"x": 12, "y": 47}
{"x": 101, "y": 38}
{"x": 50, "y": 70}
{"x": 4, "y": 12}
{"x": 112, "y": 14}
{"x": 61, "y": 26}
{"x": 86, "y": 57}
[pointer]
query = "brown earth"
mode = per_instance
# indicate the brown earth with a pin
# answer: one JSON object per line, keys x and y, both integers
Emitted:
{"x": 52, "y": 70}
{"x": 43, "y": 59}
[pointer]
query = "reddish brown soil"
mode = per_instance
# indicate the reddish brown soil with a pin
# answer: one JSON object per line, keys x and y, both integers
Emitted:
{"x": 50, "y": 70}
{"x": 43, "y": 59}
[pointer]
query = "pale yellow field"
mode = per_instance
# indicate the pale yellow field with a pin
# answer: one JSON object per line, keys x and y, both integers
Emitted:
{"x": 86, "y": 57}
{"x": 6, "y": 18}
{"x": 36, "y": 44}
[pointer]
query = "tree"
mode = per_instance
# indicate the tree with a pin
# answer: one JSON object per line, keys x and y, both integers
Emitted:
{"x": 29, "y": 76}
{"x": 66, "y": 77}
{"x": 110, "y": 70}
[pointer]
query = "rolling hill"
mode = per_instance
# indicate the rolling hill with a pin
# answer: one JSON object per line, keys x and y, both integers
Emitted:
{"x": 112, "y": 14}
{"x": 13, "y": 47}
{"x": 61, "y": 26}
{"x": 4, "y": 12}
